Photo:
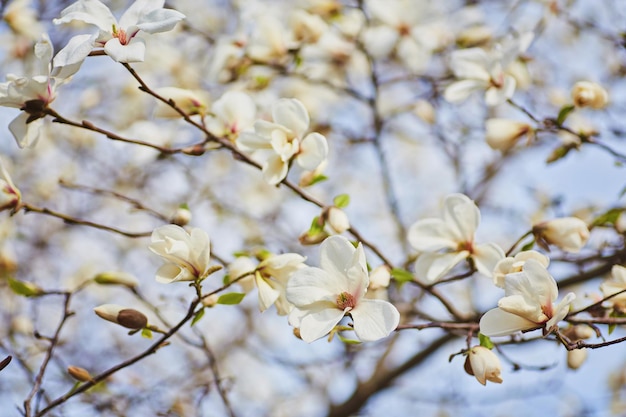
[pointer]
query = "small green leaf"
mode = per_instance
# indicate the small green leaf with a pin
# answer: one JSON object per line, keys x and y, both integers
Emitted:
{"x": 348, "y": 341}
{"x": 607, "y": 218}
{"x": 563, "y": 113}
{"x": 27, "y": 289}
{"x": 401, "y": 275}
{"x": 147, "y": 333}
{"x": 611, "y": 328}
{"x": 341, "y": 201}
{"x": 231, "y": 298}
{"x": 318, "y": 178}
{"x": 316, "y": 227}
{"x": 184, "y": 206}
{"x": 529, "y": 245}
{"x": 197, "y": 317}
{"x": 485, "y": 341}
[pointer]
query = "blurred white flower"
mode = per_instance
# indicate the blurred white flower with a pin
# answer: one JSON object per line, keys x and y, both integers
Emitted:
{"x": 567, "y": 233}
{"x": 191, "y": 102}
{"x": 528, "y": 303}
{"x": 187, "y": 254}
{"x": 614, "y": 285}
{"x": 589, "y": 94}
{"x": 503, "y": 134}
{"x": 234, "y": 112}
{"x": 119, "y": 39}
{"x": 323, "y": 296}
{"x": 446, "y": 242}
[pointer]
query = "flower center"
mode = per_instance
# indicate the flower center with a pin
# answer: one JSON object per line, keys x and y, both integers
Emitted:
{"x": 121, "y": 35}
{"x": 345, "y": 301}
{"x": 468, "y": 246}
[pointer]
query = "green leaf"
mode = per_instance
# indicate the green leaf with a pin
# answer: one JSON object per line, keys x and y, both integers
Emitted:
{"x": 318, "y": 178}
{"x": 197, "y": 317}
{"x": 184, "y": 206}
{"x": 529, "y": 245}
{"x": 485, "y": 341}
{"x": 401, "y": 275}
{"x": 611, "y": 328}
{"x": 563, "y": 113}
{"x": 147, "y": 333}
{"x": 608, "y": 217}
{"x": 316, "y": 227}
{"x": 27, "y": 289}
{"x": 231, "y": 298}
{"x": 348, "y": 341}
{"x": 341, "y": 201}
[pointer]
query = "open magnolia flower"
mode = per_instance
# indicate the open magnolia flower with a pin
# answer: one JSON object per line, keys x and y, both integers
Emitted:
{"x": 528, "y": 303}
{"x": 512, "y": 264}
{"x": 232, "y": 113}
{"x": 486, "y": 70}
{"x": 187, "y": 254}
{"x": 446, "y": 242}
{"x": 275, "y": 145}
{"x": 119, "y": 39}
{"x": 34, "y": 93}
{"x": 323, "y": 296}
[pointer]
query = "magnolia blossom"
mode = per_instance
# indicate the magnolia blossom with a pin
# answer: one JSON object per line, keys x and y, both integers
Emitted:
{"x": 271, "y": 40}
{"x": 187, "y": 254}
{"x": 124, "y": 316}
{"x": 275, "y": 145}
{"x": 10, "y": 196}
{"x": 510, "y": 265}
{"x": 33, "y": 94}
{"x": 323, "y": 296}
{"x": 22, "y": 19}
{"x": 528, "y": 303}
{"x": 614, "y": 285}
{"x": 502, "y": 134}
{"x": 191, "y": 102}
{"x": 380, "y": 277}
{"x": 446, "y": 242}
{"x": 337, "y": 220}
{"x": 119, "y": 39}
{"x": 484, "y": 365}
{"x": 567, "y": 233}
{"x": 588, "y": 94}
{"x": 479, "y": 69}
{"x": 576, "y": 357}
{"x": 234, "y": 112}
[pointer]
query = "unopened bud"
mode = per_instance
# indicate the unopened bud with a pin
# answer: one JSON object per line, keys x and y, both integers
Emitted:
{"x": 502, "y": 134}
{"x": 181, "y": 217}
{"x": 588, "y": 94}
{"x": 191, "y": 102}
{"x": 210, "y": 301}
{"x": 126, "y": 317}
{"x": 576, "y": 357}
{"x": 337, "y": 220}
{"x": 568, "y": 233}
{"x": 79, "y": 374}
{"x": 483, "y": 364}
{"x": 116, "y": 278}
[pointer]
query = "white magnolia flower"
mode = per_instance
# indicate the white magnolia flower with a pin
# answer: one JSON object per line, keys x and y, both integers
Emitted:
{"x": 614, "y": 285}
{"x": 483, "y": 364}
{"x": 275, "y": 145}
{"x": 191, "y": 102}
{"x": 234, "y": 112}
{"x": 446, "y": 242}
{"x": 22, "y": 19}
{"x": 271, "y": 41}
{"x": 528, "y": 303}
{"x": 187, "y": 254}
{"x": 576, "y": 358}
{"x": 119, "y": 39}
{"x": 502, "y": 134}
{"x": 323, "y": 296}
{"x": 588, "y": 94}
{"x": 567, "y": 233}
{"x": 33, "y": 94}
{"x": 479, "y": 69}
{"x": 511, "y": 265}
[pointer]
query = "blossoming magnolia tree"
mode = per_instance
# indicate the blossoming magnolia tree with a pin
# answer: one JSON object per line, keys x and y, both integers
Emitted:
{"x": 312, "y": 208}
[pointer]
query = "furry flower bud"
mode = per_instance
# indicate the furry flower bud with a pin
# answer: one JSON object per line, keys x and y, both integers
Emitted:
{"x": 483, "y": 364}
{"x": 588, "y": 94}
{"x": 126, "y": 317}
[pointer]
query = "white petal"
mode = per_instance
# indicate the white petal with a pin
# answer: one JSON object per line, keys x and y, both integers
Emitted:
{"x": 291, "y": 114}
{"x": 486, "y": 257}
{"x": 460, "y": 90}
{"x": 313, "y": 151}
{"x": 133, "y": 52}
{"x": 462, "y": 215}
{"x": 497, "y": 322}
{"x": 374, "y": 319}
{"x": 336, "y": 257}
{"x": 267, "y": 294}
{"x": 524, "y": 307}
{"x": 274, "y": 170}
{"x": 560, "y": 311}
{"x": 430, "y": 235}
{"x": 89, "y": 11}
{"x": 25, "y": 134}
{"x": 70, "y": 58}
{"x": 430, "y": 267}
{"x": 379, "y": 40}
{"x": 170, "y": 273}
{"x": 310, "y": 285}
{"x": 249, "y": 142}
{"x": 139, "y": 8}
{"x": 236, "y": 109}
{"x": 160, "y": 20}
{"x": 319, "y": 321}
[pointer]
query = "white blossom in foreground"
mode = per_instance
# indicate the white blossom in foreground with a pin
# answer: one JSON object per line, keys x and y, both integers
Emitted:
{"x": 447, "y": 241}
{"x": 513, "y": 264}
{"x": 323, "y": 296}
{"x": 528, "y": 303}
{"x": 567, "y": 233}
{"x": 119, "y": 39}
{"x": 486, "y": 70}
{"x": 187, "y": 254}
{"x": 589, "y": 94}
{"x": 34, "y": 93}
{"x": 483, "y": 364}
{"x": 275, "y": 144}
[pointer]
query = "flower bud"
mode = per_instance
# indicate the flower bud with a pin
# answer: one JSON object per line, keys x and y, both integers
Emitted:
{"x": 337, "y": 220}
{"x": 181, "y": 217}
{"x": 576, "y": 357}
{"x": 474, "y": 36}
{"x": 126, "y": 317}
{"x": 79, "y": 374}
{"x": 483, "y": 364}
{"x": 210, "y": 301}
{"x": 567, "y": 233}
{"x": 502, "y": 134}
{"x": 191, "y": 102}
{"x": 116, "y": 278}
{"x": 588, "y": 94}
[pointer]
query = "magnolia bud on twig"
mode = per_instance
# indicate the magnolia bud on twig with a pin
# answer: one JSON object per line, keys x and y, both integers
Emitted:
{"x": 126, "y": 317}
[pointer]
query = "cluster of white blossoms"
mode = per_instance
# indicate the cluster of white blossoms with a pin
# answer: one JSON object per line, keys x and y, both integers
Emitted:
{"x": 276, "y": 144}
